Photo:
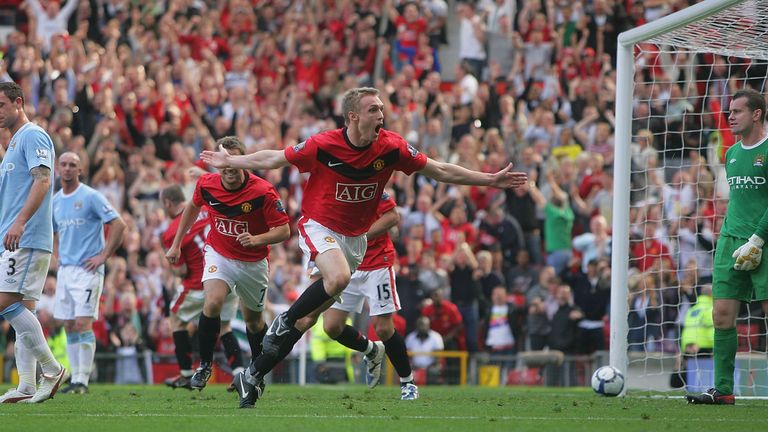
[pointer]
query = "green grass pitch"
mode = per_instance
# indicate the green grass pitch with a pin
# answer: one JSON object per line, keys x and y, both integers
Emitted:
{"x": 110, "y": 408}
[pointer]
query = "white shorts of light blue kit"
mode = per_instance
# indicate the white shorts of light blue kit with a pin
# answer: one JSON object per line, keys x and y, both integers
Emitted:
{"x": 249, "y": 280}
{"x": 23, "y": 271}
{"x": 187, "y": 305}
{"x": 77, "y": 293}
{"x": 377, "y": 286}
{"x": 315, "y": 239}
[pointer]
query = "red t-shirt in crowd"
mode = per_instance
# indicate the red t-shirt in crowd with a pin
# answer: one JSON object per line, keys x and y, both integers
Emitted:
{"x": 345, "y": 181}
{"x": 254, "y": 207}
{"x": 191, "y": 249}
{"x": 444, "y": 318}
{"x": 408, "y": 32}
{"x": 381, "y": 251}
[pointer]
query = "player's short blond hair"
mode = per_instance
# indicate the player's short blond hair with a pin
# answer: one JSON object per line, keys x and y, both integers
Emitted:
{"x": 351, "y": 100}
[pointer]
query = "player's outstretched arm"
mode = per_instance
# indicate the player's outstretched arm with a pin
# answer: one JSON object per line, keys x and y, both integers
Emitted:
{"x": 262, "y": 159}
{"x": 454, "y": 174}
{"x": 188, "y": 217}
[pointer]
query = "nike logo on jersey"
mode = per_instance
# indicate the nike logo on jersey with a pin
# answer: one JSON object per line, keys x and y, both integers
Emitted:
{"x": 214, "y": 203}
{"x": 333, "y": 164}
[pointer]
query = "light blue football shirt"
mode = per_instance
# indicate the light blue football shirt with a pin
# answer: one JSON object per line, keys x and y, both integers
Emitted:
{"x": 30, "y": 147}
{"x": 79, "y": 220}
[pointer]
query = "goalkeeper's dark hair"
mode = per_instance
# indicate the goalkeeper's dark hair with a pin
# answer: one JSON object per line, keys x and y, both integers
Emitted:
{"x": 755, "y": 101}
{"x": 173, "y": 193}
{"x": 231, "y": 143}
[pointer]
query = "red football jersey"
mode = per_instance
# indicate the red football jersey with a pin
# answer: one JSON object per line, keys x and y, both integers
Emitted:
{"x": 254, "y": 208}
{"x": 345, "y": 180}
{"x": 191, "y": 249}
{"x": 380, "y": 252}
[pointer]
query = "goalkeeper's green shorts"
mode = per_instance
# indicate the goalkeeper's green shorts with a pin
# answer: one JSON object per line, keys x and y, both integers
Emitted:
{"x": 728, "y": 283}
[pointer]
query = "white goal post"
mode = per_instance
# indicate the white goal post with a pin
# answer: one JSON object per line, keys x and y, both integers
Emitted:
{"x": 734, "y": 29}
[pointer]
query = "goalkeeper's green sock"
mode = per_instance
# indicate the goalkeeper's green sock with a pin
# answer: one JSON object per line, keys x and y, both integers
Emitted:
{"x": 726, "y": 341}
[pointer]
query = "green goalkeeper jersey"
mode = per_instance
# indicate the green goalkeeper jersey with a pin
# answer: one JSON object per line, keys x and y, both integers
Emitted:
{"x": 747, "y": 173}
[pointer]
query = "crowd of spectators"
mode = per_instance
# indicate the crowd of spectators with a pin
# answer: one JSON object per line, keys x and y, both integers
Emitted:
{"x": 138, "y": 89}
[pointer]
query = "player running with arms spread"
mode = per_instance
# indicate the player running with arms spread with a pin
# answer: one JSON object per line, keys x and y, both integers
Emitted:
{"x": 348, "y": 168}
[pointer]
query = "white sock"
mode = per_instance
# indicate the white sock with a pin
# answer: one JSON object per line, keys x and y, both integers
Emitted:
{"x": 409, "y": 378}
{"x": 26, "y": 366}
{"x": 73, "y": 353}
{"x": 30, "y": 333}
{"x": 87, "y": 350}
{"x": 370, "y": 348}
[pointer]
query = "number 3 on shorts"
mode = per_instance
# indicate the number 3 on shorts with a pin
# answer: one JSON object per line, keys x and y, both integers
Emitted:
{"x": 11, "y": 267}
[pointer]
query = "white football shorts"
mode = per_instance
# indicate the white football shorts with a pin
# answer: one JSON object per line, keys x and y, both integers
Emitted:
{"x": 77, "y": 293}
{"x": 378, "y": 286}
{"x": 24, "y": 271}
{"x": 315, "y": 239}
{"x": 249, "y": 280}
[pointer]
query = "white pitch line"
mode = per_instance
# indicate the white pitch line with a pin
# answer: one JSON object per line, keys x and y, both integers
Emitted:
{"x": 379, "y": 417}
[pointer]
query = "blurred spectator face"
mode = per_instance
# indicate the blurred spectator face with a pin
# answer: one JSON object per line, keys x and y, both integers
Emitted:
{"x": 422, "y": 327}
{"x": 458, "y": 215}
{"x": 128, "y": 303}
{"x": 523, "y": 258}
{"x": 423, "y": 203}
{"x": 649, "y": 230}
{"x": 485, "y": 261}
{"x": 306, "y": 54}
{"x": 598, "y": 225}
{"x": 564, "y": 295}
{"x": 52, "y": 8}
{"x": 603, "y": 131}
{"x": 414, "y": 248}
{"x": 436, "y": 237}
{"x": 411, "y": 12}
{"x": 499, "y": 296}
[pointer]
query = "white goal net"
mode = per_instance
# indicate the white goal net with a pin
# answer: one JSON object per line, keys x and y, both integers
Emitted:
{"x": 671, "y": 134}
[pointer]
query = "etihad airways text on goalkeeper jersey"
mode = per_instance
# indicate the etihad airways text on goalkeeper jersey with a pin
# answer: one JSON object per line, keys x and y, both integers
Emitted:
{"x": 345, "y": 181}
{"x": 746, "y": 170}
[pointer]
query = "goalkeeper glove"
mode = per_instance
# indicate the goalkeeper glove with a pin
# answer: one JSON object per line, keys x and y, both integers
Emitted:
{"x": 749, "y": 254}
